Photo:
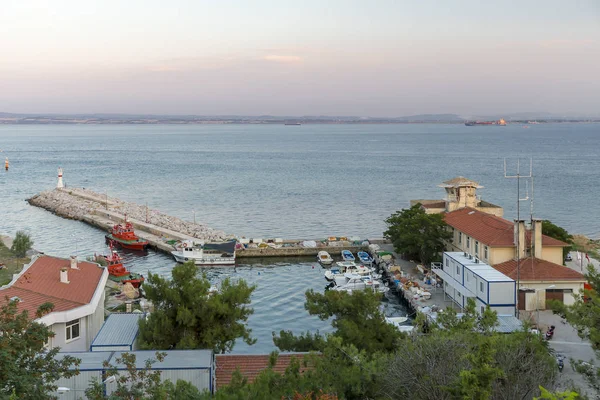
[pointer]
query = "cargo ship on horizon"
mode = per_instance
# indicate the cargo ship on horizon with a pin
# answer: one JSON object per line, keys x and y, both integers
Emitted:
{"x": 500, "y": 122}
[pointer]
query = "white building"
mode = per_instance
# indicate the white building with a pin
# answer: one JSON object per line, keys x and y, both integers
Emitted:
{"x": 75, "y": 289}
{"x": 466, "y": 277}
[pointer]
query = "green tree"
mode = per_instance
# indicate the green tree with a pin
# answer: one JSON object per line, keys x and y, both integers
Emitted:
{"x": 141, "y": 384}
{"x": 547, "y": 395}
{"x": 27, "y": 369}
{"x": 21, "y": 244}
{"x": 357, "y": 320}
{"x": 188, "y": 316}
{"x": 556, "y": 232}
{"x": 418, "y": 234}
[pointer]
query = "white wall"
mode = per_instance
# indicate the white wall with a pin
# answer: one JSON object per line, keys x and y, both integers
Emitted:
{"x": 502, "y": 293}
{"x": 88, "y": 329}
{"x": 538, "y": 299}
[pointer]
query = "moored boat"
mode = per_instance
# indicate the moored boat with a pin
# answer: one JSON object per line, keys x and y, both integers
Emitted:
{"x": 124, "y": 235}
{"x": 347, "y": 267}
{"x": 222, "y": 253}
{"x": 359, "y": 282}
{"x": 347, "y": 255}
{"x": 364, "y": 257}
{"x": 117, "y": 272}
{"x": 324, "y": 258}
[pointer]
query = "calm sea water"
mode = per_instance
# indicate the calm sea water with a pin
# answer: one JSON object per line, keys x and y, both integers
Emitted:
{"x": 304, "y": 181}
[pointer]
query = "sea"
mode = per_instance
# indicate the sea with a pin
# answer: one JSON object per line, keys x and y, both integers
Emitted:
{"x": 294, "y": 182}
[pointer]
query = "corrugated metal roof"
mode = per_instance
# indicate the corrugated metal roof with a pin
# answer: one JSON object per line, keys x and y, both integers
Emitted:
{"x": 89, "y": 360}
{"x": 118, "y": 329}
{"x": 482, "y": 269}
{"x": 175, "y": 359}
{"x": 508, "y": 324}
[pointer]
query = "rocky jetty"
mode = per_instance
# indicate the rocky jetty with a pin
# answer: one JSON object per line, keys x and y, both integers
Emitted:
{"x": 76, "y": 203}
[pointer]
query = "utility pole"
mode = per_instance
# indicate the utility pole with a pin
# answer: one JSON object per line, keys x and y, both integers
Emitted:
{"x": 518, "y": 177}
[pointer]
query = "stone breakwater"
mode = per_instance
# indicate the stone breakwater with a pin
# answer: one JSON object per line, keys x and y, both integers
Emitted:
{"x": 83, "y": 204}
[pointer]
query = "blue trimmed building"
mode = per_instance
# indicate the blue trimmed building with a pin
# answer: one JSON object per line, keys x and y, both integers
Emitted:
{"x": 465, "y": 276}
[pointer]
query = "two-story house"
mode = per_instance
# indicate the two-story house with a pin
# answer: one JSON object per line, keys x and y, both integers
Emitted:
{"x": 76, "y": 289}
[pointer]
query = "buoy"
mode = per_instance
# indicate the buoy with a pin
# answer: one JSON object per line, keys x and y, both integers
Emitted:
{"x": 6, "y": 164}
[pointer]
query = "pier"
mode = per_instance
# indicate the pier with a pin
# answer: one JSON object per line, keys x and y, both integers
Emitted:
{"x": 161, "y": 230}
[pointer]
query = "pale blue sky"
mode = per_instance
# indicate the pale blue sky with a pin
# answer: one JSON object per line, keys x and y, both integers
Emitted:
{"x": 378, "y": 58}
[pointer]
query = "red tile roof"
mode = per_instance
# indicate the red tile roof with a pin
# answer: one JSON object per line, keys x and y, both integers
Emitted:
{"x": 535, "y": 269}
{"x": 40, "y": 283}
{"x": 250, "y": 365}
{"x": 489, "y": 229}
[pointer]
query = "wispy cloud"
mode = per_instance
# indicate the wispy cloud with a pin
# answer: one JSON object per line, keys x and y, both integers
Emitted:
{"x": 283, "y": 59}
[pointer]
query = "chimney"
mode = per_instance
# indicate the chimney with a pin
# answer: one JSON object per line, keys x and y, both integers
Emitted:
{"x": 74, "y": 262}
{"x": 519, "y": 229}
{"x": 537, "y": 241}
{"x": 64, "y": 275}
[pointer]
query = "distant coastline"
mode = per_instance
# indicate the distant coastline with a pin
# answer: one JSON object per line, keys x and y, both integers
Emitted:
{"x": 126, "y": 119}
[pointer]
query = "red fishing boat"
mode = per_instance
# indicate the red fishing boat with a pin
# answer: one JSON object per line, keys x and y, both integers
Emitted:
{"x": 124, "y": 236}
{"x": 117, "y": 272}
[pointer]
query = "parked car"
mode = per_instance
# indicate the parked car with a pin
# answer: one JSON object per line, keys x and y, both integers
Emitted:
{"x": 568, "y": 257}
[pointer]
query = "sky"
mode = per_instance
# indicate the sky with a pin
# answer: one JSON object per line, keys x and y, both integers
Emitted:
{"x": 278, "y": 57}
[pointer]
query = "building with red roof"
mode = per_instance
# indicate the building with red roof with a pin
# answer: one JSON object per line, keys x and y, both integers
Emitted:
{"x": 514, "y": 248}
{"x": 75, "y": 288}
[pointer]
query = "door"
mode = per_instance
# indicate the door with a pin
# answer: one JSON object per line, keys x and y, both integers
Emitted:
{"x": 554, "y": 294}
{"x": 521, "y": 300}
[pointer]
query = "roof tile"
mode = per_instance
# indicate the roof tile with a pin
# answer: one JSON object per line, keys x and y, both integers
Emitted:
{"x": 489, "y": 229}
{"x": 535, "y": 269}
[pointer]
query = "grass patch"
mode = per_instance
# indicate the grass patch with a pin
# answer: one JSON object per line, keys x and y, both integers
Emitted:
{"x": 12, "y": 264}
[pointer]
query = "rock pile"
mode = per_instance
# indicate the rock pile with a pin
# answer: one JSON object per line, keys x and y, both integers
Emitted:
{"x": 75, "y": 203}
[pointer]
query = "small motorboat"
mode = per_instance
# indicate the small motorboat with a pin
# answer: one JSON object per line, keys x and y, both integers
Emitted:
{"x": 332, "y": 272}
{"x": 364, "y": 257}
{"x": 347, "y": 255}
{"x": 396, "y": 321}
{"x": 352, "y": 282}
{"x": 324, "y": 258}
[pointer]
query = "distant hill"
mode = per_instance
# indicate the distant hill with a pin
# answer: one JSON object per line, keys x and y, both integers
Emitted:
{"x": 431, "y": 118}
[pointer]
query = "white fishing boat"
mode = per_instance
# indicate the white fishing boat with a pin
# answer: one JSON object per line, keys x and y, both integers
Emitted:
{"x": 359, "y": 282}
{"x": 343, "y": 267}
{"x": 222, "y": 253}
{"x": 324, "y": 258}
{"x": 396, "y": 321}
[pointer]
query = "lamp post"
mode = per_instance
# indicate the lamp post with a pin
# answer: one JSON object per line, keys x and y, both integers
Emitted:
{"x": 537, "y": 302}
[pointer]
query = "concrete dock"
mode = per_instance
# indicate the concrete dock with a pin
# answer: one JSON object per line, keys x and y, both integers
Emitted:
{"x": 160, "y": 230}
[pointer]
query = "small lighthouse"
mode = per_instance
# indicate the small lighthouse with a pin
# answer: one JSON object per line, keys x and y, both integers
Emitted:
{"x": 60, "y": 184}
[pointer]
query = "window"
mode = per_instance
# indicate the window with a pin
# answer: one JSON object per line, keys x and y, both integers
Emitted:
{"x": 468, "y": 242}
{"x": 446, "y": 262}
{"x": 458, "y": 270}
{"x": 467, "y": 275}
{"x": 481, "y": 287}
{"x": 72, "y": 330}
{"x": 459, "y": 237}
{"x": 477, "y": 248}
{"x": 485, "y": 252}
{"x": 482, "y": 309}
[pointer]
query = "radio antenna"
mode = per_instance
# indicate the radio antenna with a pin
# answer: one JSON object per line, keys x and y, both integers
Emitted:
{"x": 518, "y": 177}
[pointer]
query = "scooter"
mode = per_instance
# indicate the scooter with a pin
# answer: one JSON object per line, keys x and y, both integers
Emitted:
{"x": 550, "y": 332}
{"x": 561, "y": 363}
